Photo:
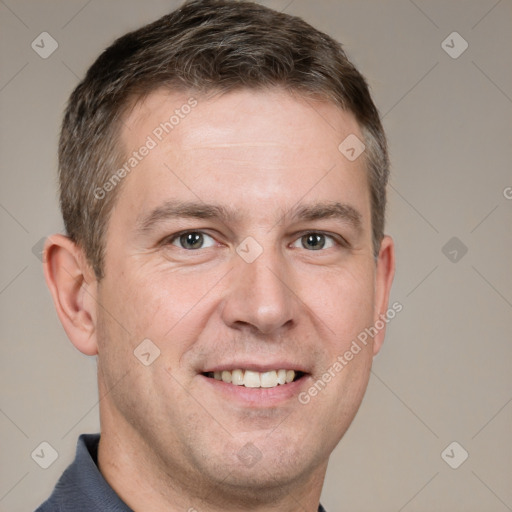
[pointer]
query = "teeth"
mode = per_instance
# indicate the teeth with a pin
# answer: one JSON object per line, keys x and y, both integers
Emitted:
{"x": 251, "y": 379}
{"x": 237, "y": 377}
{"x": 268, "y": 379}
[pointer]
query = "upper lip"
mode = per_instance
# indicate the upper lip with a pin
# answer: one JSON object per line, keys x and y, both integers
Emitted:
{"x": 256, "y": 367}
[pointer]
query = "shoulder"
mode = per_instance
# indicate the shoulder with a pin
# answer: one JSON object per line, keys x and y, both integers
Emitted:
{"x": 71, "y": 492}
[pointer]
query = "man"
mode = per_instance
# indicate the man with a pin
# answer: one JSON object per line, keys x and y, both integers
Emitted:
{"x": 223, "y": 175}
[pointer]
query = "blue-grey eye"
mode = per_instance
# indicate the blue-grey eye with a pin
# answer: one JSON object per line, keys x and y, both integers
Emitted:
{"x": 314, "y": 242}
{"x": 193, "y": 240}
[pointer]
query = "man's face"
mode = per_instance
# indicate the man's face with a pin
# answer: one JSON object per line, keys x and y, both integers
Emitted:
{"x": 242, "y": 241}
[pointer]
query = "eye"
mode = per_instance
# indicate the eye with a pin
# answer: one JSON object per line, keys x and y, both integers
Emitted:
{"x": 192, "y": 240}
{"x": 314, "y": 242}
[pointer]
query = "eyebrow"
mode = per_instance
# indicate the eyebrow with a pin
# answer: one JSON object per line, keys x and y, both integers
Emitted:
{"x": 199, "y": 210}
{"x": 340, "y": 211}
{"x": 192, "y": 210}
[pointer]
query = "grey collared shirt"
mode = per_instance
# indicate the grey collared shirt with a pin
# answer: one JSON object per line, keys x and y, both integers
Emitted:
{"x": 82, "y": 488}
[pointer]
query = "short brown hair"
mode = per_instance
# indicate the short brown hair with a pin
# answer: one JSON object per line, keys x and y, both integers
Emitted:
{"x": 204, "y": 46}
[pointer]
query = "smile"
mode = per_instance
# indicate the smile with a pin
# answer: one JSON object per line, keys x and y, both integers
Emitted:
{"x": 253, "y": 379}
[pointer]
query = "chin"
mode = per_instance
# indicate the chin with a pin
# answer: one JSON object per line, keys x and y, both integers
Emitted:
{"x": 269, "y": 467}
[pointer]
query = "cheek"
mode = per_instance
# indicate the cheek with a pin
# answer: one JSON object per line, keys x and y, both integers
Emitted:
{"x": 343, "y": 302}
{"x": 167, "y": 306}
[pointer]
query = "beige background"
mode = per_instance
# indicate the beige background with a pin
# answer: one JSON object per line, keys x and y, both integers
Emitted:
{"x": 445, "y": 371}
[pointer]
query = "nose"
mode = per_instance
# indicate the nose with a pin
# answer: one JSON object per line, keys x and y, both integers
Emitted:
{"x": 261, "y": 295}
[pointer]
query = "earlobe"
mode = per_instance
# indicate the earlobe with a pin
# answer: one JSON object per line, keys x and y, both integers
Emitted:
{"x": 383, "y": 281}
{"x": 73, "y": 287}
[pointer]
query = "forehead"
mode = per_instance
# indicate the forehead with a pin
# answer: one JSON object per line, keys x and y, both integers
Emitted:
{"x": 256, "y": 150}
{"x": 226, "y": 113}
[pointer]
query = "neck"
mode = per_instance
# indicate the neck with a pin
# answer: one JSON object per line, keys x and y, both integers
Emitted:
{"x": 144, "y": 482}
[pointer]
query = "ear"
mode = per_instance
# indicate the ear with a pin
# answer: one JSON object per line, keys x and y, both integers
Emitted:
{"x": 73, "y": 286}
{"x": 383, "y": 280}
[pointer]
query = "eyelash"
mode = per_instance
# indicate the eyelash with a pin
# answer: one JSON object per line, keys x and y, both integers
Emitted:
{"x": 338, "y": 240}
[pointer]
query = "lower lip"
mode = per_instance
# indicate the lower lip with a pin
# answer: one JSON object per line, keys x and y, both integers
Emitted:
{"x": 257, "y": 397}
